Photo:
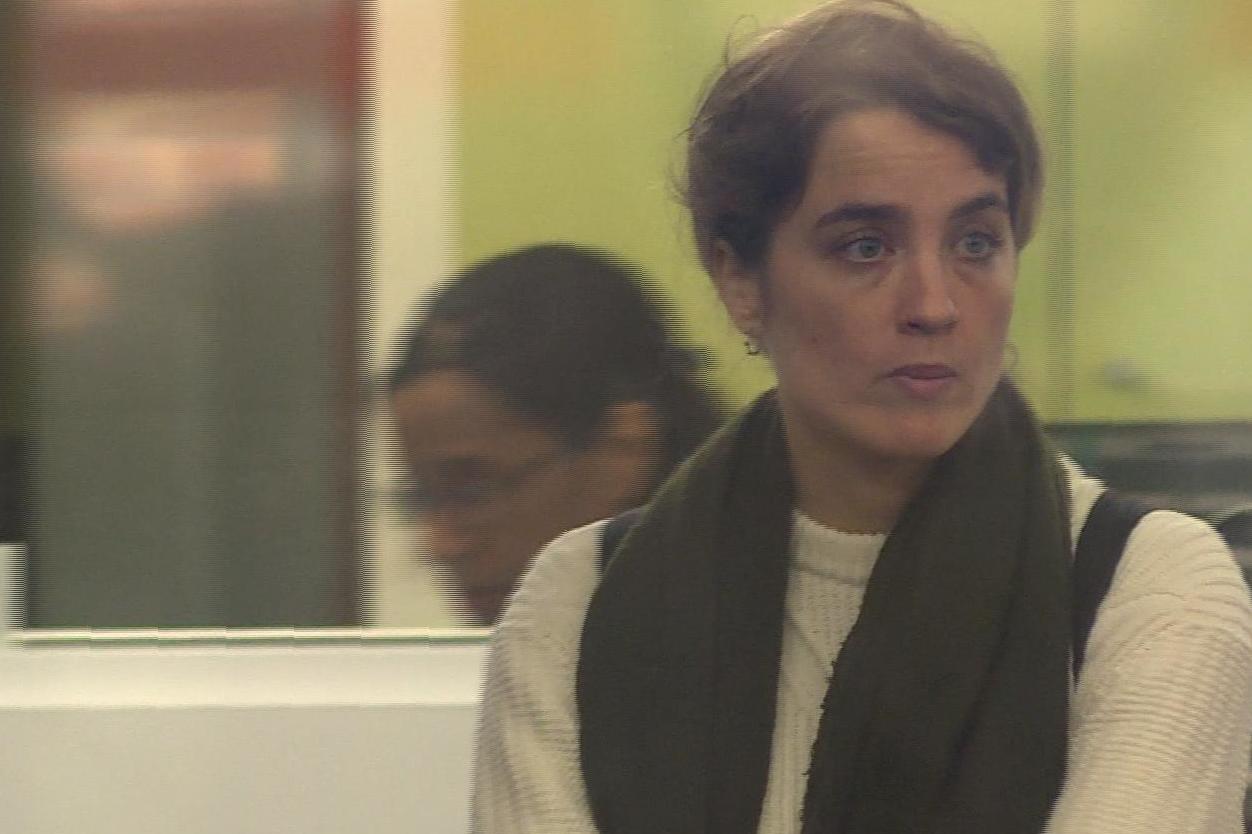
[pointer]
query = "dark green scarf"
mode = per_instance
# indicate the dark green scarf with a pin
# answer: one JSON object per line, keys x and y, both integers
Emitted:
{"x": 947, "y": 709}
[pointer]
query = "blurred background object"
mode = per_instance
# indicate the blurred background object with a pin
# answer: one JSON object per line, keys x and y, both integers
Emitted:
{"x": 194, "y": 293}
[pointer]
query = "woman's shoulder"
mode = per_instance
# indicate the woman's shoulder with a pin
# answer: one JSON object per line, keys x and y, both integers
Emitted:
{"x": 1174, "y": 565}
{"x": 1160, "y": 707}
{"x": 553, "y": 596}
{"x": 527, "y": 775}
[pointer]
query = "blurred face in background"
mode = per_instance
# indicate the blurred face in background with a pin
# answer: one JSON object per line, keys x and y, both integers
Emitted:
{"x": 491, "y": 487}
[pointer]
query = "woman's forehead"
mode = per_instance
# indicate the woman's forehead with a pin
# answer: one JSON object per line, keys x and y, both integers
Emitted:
{"x": 887, "y": 157}
{"x": 453, "y": 408}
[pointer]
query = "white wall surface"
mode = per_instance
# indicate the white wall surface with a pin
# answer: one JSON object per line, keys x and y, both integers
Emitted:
{"x": 242, "y": 770}
{"x": 189, "y": 732}
{"x": 197, "y": 739}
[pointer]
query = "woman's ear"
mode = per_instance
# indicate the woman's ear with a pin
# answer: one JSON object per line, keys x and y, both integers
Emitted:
{"x": 740, "y": 290}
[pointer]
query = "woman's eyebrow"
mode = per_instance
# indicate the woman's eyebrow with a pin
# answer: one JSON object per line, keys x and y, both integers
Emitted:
{"x": 888, "y": 212}
{"x": 989, "y": 200}
{"x": 860, "y": 212}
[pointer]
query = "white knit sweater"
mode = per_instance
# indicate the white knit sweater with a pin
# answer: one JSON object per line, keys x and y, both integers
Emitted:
{"x": 1162, "y": 715}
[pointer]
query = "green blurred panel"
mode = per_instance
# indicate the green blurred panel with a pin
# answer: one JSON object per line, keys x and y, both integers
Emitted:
{"x": 1164, "y": 210}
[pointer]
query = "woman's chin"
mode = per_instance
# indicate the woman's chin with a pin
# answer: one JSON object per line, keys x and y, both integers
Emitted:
{"x": 922, "y": 438}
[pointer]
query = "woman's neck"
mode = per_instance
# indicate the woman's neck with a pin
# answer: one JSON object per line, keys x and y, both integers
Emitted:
{"x": 853, "y": 493}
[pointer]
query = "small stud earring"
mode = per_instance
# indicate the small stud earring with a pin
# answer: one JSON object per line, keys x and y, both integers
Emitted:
{"x": 752, "y": 347}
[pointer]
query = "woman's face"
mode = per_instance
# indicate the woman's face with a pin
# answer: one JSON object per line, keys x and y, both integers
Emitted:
{"x": 885, "y": 298}
{"x": 492, "y": 487}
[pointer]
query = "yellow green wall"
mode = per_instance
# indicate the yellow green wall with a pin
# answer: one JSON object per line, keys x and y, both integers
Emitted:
{"x": 570, "y": 124}
{"x": 1165, "y": 206}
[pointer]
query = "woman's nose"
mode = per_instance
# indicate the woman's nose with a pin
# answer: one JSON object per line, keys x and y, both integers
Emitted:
{"x": 927, "y": 306}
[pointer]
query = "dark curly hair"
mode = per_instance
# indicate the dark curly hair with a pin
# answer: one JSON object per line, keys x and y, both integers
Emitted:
{"x": 563, "y": 332}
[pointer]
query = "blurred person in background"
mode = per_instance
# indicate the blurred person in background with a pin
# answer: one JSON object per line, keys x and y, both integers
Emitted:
{"x": 537, "y": 391}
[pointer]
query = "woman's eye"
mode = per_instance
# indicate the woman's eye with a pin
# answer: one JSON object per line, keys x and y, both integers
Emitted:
{"x": 864, "y": 250}
{"x": 978, "y": 245}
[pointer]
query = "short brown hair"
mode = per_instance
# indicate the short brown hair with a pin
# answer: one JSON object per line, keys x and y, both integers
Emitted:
{"x": 750, "y": 144}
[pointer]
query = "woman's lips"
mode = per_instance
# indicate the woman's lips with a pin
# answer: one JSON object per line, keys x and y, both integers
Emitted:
{"x": 924, "y": 382}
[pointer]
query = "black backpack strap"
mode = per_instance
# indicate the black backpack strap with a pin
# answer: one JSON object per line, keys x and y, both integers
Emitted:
{"x": 614, "y": 532}
{"x": 1100, "y": 547}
